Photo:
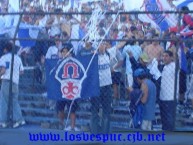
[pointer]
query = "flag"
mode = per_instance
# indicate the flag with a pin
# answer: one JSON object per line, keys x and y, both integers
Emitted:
{"x": 25, "y": 33}
{"x": 67, "y": 78}
{"x": 159, "y": 19}
{"x": 162, "y": 21}
{"x": 185, "y": 3}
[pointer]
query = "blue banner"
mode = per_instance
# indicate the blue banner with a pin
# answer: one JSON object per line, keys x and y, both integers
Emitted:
{"x": 24, "y": 33}
{"x": 66, "y": 79}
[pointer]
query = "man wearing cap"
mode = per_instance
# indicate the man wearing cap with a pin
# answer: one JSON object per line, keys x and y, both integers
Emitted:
{"x": 148, "y": 98}
{"x": 142, "y": 63}
{"x": 151, "y": 67}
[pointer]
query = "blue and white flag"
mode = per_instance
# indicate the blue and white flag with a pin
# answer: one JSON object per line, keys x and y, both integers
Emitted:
{"x": 67, "y": 78}
{"x": 161, "y": 20}
{"x": 188, "y": 3}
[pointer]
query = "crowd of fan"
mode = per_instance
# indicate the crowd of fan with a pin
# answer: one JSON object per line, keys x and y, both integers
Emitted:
{"x": 68, "y": 27}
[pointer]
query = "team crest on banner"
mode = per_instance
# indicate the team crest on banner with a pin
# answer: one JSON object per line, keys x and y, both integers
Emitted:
{"x": 67, "y": 79}
{"x": 159, "y": 19}
{"x": 154, "y": 5}
{"x": 70, "y": 73}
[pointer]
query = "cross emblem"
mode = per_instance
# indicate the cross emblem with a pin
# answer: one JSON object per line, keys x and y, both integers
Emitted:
{"x": 70, "y": 91}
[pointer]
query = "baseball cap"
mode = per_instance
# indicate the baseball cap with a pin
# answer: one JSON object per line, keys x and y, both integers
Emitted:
{"x": 139, "y": 72}
{"x": 145, "y": 57}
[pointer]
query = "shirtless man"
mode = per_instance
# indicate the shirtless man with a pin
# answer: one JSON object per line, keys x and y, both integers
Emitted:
{"x": 154, "y": 50}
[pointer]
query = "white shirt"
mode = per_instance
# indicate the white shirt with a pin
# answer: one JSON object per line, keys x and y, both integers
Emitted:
{"x": 104, "y": 70}
{"x": 53, "y": 53}
{"x": 153, "y": 67}
{"x": 135, "y": 50}
{"x": 125, "y": 51}
{"x": 5, "y": 61}
{"x": 167, "y": 82}
{"x": 115, "y": 57}
{"x": 42, "y": 22}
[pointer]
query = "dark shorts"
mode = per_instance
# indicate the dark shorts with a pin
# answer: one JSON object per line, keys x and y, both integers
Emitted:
{"x": 116, "y": 77}
{"x": 182, "y": 82}
{"x": 61, "y": 104}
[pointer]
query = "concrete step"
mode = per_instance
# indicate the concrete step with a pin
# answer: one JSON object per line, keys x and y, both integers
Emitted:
{"x": 36, "y": 111}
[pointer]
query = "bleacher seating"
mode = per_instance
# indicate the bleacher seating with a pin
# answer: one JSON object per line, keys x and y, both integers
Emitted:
{"x": 36, "y": 110}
